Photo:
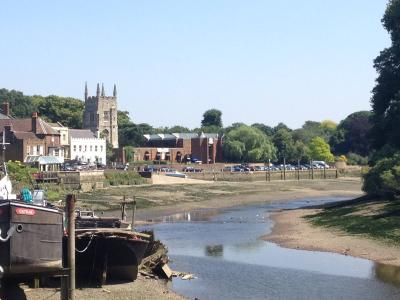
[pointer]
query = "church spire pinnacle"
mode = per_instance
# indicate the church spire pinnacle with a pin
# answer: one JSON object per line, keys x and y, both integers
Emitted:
{"x": 115, "y": 90}
{"x": 102, "y": 90}
{"x": 86, "y": 91}
{"x": 98, "y": 90}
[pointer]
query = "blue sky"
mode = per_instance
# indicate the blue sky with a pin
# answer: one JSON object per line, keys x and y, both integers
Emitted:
{"x": 257, "y": 61}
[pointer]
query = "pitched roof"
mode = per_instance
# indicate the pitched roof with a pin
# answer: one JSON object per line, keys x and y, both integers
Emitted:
{"x": 174, "y": 136}
{"x": 81, "y": 134}
{"x": 43, "y": 160}
{"x": 4, "y": 117}
{"x": 25, "y": 125}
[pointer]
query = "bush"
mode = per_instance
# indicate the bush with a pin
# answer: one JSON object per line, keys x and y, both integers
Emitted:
{"x": 356, "y": 159}
{"x": 123, "y": 178}
{"x": 384, "y": 178}
{"x": 20, "y": 174}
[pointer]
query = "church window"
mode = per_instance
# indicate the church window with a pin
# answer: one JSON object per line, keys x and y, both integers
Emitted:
{"x": 106, "y": 116}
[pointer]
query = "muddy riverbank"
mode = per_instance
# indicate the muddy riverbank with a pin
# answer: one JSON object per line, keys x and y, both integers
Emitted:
{"x": 169, "y": 199}
{"x": 291, "y": 230}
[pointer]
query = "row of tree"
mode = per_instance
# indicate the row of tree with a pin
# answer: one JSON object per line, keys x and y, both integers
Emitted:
{"x": 246, "y": 143}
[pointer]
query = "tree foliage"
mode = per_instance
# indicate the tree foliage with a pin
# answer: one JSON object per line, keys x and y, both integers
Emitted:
{"x": 248, "y": 144}
{"x": 320, "y": 150}
{"x": 212, "y": 117}
{"x": 352, "y": 134}
{"x": 384, "y": 178}
{"x": 284, "y": 144}
{"x": 386, "y": 94}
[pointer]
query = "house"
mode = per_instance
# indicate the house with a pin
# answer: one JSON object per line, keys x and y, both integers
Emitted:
{"x": 30, "y": 137}
{"x": 64, "y": 137}
{"x": 181, "y": 147}
{"x": 85, "y": 146}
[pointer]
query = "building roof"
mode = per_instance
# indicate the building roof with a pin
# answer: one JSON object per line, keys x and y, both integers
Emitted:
{"x": 174, "y": 136}
{"x": 4, "y": 117}
{"x": 56, "y": 125}
{"x": 43, "y": 160}
{"x": 81, "y": 134}
{"x": 22, "y": 135}
{"x": 25, "y": 125}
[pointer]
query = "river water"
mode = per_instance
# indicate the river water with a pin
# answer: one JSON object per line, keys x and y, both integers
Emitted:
{"x": 222, "y": 248}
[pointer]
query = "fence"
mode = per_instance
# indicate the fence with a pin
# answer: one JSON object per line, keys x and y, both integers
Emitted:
{"x": 266, "y": 176}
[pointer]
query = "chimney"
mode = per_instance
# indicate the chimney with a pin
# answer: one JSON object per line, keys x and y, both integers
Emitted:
{"x": 6, "y": 108}
{"x": 34, "y": 122}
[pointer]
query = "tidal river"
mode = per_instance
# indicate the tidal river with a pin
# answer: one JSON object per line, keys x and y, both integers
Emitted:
{"x": 222, "y": 248}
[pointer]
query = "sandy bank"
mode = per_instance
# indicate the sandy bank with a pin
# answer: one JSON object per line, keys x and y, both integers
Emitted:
{"x": 292, "y": 231}
{"x": 142, "y": 288}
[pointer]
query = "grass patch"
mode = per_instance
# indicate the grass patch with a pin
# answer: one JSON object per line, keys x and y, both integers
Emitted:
{"x": 363, "y": 218}
{"x": 123, "y": 178}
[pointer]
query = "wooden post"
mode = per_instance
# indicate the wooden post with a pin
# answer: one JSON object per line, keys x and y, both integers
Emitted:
{"x": 312, "y": 170}
{"x": 71, "y": 244}
{"x": 123, "y": 209}
{"x": 284, "y": 168}
{"x": 133, "y": 212}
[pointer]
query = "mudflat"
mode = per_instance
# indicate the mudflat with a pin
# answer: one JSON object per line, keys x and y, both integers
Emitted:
{"x": 161, "y": 200}
{"x": 291, "y": 230}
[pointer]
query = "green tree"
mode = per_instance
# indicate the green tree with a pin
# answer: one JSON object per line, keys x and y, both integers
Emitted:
{"x": 352, "y": 134}
{"x": 21, "y": 106}
{"x": 386, "y": 93}
{"x": 284, "y": 144}
{"x": 248, "y": 144}
{"x": 384, "y": 177}
{"x": 320, "y": 150}
{"x": 268, "y": 131}
{"x": 212, "y": 117}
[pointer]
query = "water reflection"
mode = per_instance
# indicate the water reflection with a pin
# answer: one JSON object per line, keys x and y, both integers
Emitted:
{"x": 214, "y": 250}
{"x": 196, "y": 238}
{"x": 388, "y": 273}
{"x": 191, "y": 216}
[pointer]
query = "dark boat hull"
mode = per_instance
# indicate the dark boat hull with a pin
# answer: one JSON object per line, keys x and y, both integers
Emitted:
{"x": 109, "y": 256}
{"x": 36, "y": 246}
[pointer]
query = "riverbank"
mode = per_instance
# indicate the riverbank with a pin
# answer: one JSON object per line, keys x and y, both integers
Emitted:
{"x": 294, "y": 229}
{"x": 162, "y": 200}
{"x": 142, "y": 288}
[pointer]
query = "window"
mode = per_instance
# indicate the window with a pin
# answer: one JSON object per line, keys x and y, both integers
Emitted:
{"x": 64, "y": 137}
{"x": 106, "y": 116}
{"x": 101, "y": 148}
{"x": 41, "y": 150}
{"x": 80, "y": 148}
{"x": 28, "y": 150}
{"x": 95, "y": 148}
{"x": 74, "y": 147}
{"x": 85, "y": 147}
{"x": 91, "y": 148}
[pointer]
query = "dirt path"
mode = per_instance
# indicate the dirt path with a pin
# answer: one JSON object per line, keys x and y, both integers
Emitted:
{"x": 292, "y": 231}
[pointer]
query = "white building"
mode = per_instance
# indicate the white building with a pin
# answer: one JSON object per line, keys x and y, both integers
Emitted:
{"x": 86, "y": 146}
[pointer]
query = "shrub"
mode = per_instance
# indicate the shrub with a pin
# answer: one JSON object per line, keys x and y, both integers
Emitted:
{"x": 123, "y": 178}
{"x": 383, "y": 179}
{"x": 356, "y": 159}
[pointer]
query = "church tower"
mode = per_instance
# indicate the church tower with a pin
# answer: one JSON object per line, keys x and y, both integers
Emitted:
{"x": 101, "y": 114}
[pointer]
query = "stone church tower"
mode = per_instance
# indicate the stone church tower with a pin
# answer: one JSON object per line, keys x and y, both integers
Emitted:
{"x": 101, "y": 114}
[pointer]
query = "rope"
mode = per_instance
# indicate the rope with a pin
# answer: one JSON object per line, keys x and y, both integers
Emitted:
{"x": 10, "y": 232}
{"x": 87, "y": 246}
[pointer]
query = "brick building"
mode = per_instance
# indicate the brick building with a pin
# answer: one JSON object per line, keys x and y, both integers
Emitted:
{"x": 30, "y": 137}
{"x": 181, "y": 147}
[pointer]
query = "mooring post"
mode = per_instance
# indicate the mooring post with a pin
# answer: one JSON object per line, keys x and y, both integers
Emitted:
{"x": 133, "y": 212}
{"x": 123, "y": 212}
{"x": 71, "y": 244}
